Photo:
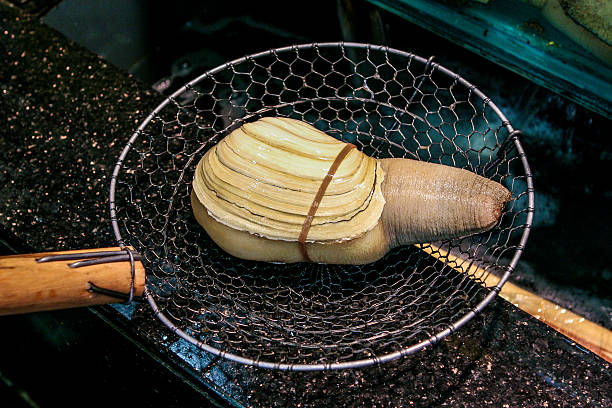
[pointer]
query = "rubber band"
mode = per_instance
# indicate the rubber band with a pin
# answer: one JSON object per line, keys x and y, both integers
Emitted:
{"x": 317, "y": 200}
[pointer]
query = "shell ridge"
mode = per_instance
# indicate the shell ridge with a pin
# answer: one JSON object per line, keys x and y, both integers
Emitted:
{"x": 272, "y": 170}
{"x": 295, "y": 126}
{"x": 269, "y": 198}
{"x": 210, "y": 185}
{"x": 322, "y": 220}
{"x": 261, "y": 151}
{"x": 270, "y": 142}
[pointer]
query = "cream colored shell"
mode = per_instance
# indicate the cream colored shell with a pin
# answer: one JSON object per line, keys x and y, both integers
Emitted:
{"x": 263, "y": 178}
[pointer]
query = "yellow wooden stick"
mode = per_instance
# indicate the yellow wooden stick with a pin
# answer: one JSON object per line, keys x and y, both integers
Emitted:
{"x": 590, "y": 335}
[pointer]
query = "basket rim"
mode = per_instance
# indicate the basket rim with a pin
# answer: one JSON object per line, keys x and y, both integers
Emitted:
{"x": 355, "y": 363}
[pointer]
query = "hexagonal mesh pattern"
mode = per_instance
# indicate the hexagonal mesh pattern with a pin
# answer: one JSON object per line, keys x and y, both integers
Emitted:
{"x": 310, "y": 316}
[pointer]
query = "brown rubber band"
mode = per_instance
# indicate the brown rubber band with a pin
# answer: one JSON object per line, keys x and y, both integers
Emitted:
{"x": 317, "y": 200}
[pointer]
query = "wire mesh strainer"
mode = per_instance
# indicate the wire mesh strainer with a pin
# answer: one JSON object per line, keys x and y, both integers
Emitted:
{"x": 308, "y": 316}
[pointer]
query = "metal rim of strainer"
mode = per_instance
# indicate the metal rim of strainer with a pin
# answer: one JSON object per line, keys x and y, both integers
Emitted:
{"x": 361, "y": 362}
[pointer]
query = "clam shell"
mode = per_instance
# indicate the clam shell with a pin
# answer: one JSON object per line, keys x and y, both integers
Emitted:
{"x": 263, "y": 178}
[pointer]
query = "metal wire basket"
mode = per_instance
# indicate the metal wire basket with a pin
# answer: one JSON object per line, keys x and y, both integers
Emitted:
{"x": 388, "y": 103}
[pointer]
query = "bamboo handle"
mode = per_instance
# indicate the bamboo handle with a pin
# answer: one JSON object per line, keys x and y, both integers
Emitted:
{"x": 588, "y": 334}
{"x": 29, "y": 286}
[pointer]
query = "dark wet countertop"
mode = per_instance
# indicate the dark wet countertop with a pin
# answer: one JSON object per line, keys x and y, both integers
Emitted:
{"x": 66, "y": 114}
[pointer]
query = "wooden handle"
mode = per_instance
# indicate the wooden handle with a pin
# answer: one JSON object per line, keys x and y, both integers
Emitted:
{"x": 29, "y": 286}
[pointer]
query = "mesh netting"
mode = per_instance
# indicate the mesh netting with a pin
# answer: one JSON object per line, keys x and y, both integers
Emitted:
{"x": 311, "y": 316}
